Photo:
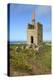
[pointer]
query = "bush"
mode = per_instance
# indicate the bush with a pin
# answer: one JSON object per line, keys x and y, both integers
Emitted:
{"x": 18, "y": 49}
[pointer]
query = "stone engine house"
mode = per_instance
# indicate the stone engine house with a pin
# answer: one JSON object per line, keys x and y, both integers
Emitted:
{"x": 34, "y": 32}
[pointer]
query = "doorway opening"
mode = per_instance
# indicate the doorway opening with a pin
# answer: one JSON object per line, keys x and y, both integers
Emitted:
{"x": 31, "y": 39}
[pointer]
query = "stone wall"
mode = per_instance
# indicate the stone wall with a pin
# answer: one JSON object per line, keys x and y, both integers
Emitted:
{"x": 40, "y": 33}
{"x": 31, "y": 32}
{"x": 36, "y": 33}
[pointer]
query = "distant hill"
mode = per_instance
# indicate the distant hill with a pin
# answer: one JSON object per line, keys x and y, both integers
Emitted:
{"x": 17, "y": 42}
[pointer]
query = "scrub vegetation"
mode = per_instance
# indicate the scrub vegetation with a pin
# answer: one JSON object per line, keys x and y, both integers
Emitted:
{"x": 29, "y": 62}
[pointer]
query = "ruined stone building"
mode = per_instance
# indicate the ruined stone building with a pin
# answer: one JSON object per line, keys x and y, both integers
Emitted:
{"x": 34, "y": 32}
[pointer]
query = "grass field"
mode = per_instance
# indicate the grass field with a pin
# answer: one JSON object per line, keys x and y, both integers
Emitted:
{"x": 28, "y": 61}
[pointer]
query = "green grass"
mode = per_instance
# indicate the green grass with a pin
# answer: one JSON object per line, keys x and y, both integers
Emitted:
{"x": 29, "y": 61}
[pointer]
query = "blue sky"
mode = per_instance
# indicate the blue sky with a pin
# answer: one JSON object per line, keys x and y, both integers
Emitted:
{"x": 21, "y": 15}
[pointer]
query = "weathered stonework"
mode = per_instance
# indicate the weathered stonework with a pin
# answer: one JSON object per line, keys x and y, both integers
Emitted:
{"x": 34, "y": 33}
